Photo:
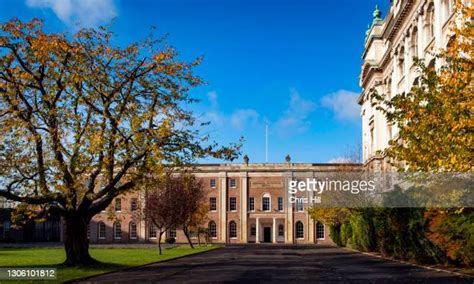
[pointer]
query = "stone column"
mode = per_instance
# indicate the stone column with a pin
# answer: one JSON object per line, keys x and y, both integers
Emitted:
{"x": 310, "y": 235}
{"x": 274, "y": 231}
{"x": 223, "y": 207}
{"x": 289, "y": 211}
{"x": 243, "y": 209}
{"x": 257, "y": 229}
{"x": 142, "y": 237}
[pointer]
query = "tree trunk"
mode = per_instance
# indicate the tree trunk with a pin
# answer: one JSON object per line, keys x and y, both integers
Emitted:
{"x": 199, "y": 238}
{"x": 76, "y": 243}
{"x": 186, "y": 233}
{"x": 159, "y": 241}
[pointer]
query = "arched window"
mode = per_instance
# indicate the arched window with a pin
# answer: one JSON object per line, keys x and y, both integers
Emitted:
{"x": 101, "y": 230}
{"x": 401, "y": 62}
{"x": 430, "y": 23}
{"x": 213, "y": 229}
{"x": 133, "y": 230}
{"x": 232, "y": 229}
{"x": 117, "y": 230}
{"x": 447, "y": 6}
{"x": 320, "y": 231}
{"x": 281, "y": 230}
{"x": 266, "y": 202}
{"x": 414, "y": 43}
{"x": 299, "y": 230}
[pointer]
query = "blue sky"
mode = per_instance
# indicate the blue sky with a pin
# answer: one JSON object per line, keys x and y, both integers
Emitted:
{"x": 291, "y": 65}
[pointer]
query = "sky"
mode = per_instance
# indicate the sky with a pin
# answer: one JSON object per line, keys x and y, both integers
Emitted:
{"x": 291, "y": 65}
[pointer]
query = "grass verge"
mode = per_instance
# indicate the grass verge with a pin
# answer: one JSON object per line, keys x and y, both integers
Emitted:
{"x": 112, "y": 259}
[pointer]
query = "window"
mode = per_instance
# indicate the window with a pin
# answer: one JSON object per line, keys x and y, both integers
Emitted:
{"x": 414, "y": 43}
{"x": 430, "y": 24}
{"x": 320, "y": 231}
{"x": 266, "y": 202}
{"x": 253, "y": 230}
{"x": 212, "y": 204}
{"x": 172, "y": 233}
{"x": 299, "y": 230}
{"x": 118, "y": 204}
{"x": 232, "y": 229}
{"x": 117, "y": 230}
{"x": 251, "y": 204}
{"x": 372, "y": 141}
{"x": 401, "y": 62}
{"x": 232, "y": 183}
{"x": 133, "y": 231}
{"x": 152, "y": 231}
{"x": 213, "y": 229}
{"x": 299, "y": 205}
{"x": 133, "y": 204}
{"x": 6, "y": 229}
{"x": 213, "y": 183}
{"x": 280, "y": 203}
{"x": 233, "y": 204}
{"x": 101, "y": 230}
{"x": 281, "y": 230}
{"x": 447, "y": 9}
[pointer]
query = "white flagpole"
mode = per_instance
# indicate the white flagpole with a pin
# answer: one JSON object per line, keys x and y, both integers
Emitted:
{"x": 266, "y": 143}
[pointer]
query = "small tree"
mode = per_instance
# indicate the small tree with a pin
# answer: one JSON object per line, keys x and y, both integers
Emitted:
{"x": 162, "y": 204}
{"x": 195, "y": 221}
{"x": 191, "y": 210}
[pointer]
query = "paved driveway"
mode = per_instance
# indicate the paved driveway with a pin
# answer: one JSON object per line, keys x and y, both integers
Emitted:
{"x": 279, "y": 264}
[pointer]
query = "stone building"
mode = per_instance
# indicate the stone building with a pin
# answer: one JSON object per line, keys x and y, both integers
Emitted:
{"x": 248, "y": 203}
{"x": 411, "y": 28}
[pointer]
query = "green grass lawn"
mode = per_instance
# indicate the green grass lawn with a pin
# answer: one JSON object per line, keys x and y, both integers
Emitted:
{"x": 112, "y": 258}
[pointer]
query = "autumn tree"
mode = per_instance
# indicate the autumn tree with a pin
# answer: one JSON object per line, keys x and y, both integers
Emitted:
{"x": 194, "y": 223}
{"x": 191, "y": 204}
{"x": 84, "y": 121}
{"x": 435, "y": 121}
{"x": 436, "y": 117}
{"x": 163, "y": 198}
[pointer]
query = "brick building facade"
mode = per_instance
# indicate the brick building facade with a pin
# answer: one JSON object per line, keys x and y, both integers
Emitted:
{"x": 248, "y": 203}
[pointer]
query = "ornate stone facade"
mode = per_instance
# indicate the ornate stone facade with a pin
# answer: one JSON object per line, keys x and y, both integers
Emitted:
{"x": 412, "y": 28}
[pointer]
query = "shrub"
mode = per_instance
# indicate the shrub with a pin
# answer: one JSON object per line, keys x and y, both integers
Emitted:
{"x": 335, "y": 234}
{"x": 363, "y": 233}
{"x": 346, "y": 233}
{"x": 453, "y": 232}
{"x": 170, "y": 240}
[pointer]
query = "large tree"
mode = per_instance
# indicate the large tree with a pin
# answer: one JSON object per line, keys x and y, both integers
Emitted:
{"x": 83, "y": 121}
{"x": 436, "y": 117}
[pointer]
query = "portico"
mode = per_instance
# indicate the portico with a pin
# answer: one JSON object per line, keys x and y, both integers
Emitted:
{"x": 266, "y": 229}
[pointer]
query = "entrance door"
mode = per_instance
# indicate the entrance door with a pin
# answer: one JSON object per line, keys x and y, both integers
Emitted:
{"x": 267, "y": 237}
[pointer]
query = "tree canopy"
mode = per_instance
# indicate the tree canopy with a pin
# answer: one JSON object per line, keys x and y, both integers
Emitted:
{"x": 83, "y": 120}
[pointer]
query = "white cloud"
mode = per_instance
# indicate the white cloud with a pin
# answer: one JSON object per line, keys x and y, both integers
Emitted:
{"x": 242, "y": 117}
{"x": 339, "y": 160}
{"x": 79, "y": 13}
{"x": 343, "y": 103}
{"x": 294, "y": 118}
{"x": 239, "y": 119}
{"x": 212, "y": 97}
